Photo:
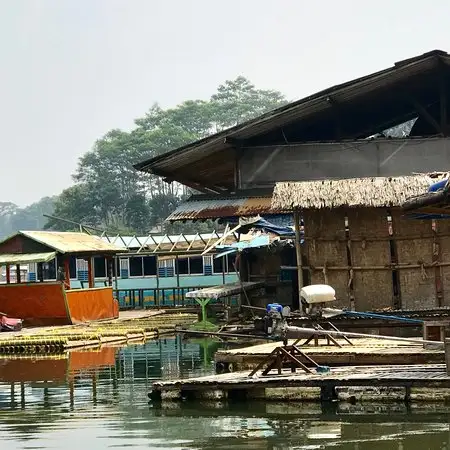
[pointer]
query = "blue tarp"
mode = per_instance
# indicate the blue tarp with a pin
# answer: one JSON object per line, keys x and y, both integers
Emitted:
{"x": 258, "y": 241}
{"x": 437, "y": 186}
{"x": 269, "y": 227}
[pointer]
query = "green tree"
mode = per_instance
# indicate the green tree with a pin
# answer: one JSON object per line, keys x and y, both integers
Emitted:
{"x": 238, "y": 100}
{"x": 110, "y": 194}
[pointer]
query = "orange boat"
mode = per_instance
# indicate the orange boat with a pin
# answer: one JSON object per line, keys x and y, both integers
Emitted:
{"x": 55, "y": 303}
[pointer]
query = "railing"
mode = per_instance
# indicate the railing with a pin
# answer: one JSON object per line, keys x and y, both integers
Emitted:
{"x": 155, "y": 297}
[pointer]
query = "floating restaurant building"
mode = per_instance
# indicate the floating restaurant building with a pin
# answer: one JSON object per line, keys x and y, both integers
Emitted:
{"x": 342, "y": 161}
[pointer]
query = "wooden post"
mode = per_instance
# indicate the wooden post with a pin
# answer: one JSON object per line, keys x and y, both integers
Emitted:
{"x": 224, "y": 261}
{"x": 8, "y": 274}
{"x": 67, "y": 272}
{"x": 90, "y": 272}
{"x": 447, "y": 355}
{"x": 116, "y": 271}
{"x": 109, "y": 269}
{"x": 156, "y": 297}
{"x": 18, "y": 278}
{"x": 40, "y": 272}
{"x": 298, "y": 252}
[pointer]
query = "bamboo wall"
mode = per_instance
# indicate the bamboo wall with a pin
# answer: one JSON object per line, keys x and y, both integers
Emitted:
{"x": 377, "y": 259}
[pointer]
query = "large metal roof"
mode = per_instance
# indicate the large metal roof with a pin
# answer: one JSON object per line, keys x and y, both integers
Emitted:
{"x": 352, "y": 110}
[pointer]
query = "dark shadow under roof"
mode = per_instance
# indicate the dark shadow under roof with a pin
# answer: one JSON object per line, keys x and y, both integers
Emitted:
{"x": 352, "y": 110}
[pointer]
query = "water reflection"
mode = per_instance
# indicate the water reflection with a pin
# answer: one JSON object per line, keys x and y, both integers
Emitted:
{"x": 98, "y": 399}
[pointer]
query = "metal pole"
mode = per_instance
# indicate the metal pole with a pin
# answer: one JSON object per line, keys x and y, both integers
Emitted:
{"x": 298, "y": 252}
{"x": 295, "y": 332}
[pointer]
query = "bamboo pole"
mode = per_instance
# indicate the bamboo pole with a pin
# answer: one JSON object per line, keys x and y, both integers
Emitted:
{"x": 298, "y": 252}
{"x": 296, "y": 332}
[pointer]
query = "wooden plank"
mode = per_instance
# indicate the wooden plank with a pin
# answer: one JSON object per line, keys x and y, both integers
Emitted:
{"x": 430, "y": 376}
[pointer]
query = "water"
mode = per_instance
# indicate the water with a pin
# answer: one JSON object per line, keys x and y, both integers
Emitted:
{"x": 98, "y": 400}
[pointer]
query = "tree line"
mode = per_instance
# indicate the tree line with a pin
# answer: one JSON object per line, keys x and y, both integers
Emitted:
{"x": 108, "y": 193}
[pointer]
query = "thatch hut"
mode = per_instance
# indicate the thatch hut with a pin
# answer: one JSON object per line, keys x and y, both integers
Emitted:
{"x": 377, "y": 192}
{"x": 358, "y": 241}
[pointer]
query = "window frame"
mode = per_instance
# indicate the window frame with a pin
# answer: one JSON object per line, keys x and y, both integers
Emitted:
{"x": 129, "y": 267}
{"x": 105, "y": 277}
{"x": 156, "y": 266}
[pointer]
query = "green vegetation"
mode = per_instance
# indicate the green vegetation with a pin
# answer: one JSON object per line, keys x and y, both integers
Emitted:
{"x": 109, "y": 193}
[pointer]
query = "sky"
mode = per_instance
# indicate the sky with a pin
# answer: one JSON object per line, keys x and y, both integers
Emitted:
{"x": 71, "y": 70}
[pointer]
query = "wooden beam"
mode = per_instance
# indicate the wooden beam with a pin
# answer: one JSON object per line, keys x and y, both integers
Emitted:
{"x": 224, "y": 236}
{"x": 91, "y": 272}
{"x": 424, "y": 114}
{"x": 66, "y": 272}
{"x": 298, "y": 252}
{"x": 443, "y": 101}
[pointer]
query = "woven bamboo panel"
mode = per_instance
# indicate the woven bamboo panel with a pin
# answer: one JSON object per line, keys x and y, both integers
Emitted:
{"x": 442, "y": 254}
{"x": 372, "y": 289}
{"x": 329, "y": 250}
{"x": 417, "y": 285}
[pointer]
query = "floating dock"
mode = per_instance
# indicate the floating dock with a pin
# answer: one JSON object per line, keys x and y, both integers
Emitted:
{"x": 376, "y": 383}
{"x": 128, "y": 328}
{"x": 364, "y": 351}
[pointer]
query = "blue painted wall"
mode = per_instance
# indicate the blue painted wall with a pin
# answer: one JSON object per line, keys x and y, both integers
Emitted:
{"x": 171, "y": 296}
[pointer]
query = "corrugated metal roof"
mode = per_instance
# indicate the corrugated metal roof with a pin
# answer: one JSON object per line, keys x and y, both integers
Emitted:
{"x": 222, "y": 207}
{"x": 26, "y": 258}
{"x": 367, "y": 87}
{"x": 71, "y": 242}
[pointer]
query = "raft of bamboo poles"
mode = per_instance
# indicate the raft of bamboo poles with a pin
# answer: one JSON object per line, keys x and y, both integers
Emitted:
{"x": 59, "y": 339}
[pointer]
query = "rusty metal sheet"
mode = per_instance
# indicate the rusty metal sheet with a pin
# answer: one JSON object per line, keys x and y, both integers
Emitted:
{"x": 224, "y": 207}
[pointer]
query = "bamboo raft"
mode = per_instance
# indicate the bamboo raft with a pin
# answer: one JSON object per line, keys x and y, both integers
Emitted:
{"x": 59, "y": 339}
{"x": 364, "y": 351}
{"x": 405, "y": 383}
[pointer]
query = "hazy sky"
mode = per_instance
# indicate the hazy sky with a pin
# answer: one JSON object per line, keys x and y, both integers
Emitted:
{"x": 73, "y": 69}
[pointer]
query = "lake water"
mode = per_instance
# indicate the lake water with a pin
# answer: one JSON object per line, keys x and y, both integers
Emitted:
{"x": 98, "y": 400}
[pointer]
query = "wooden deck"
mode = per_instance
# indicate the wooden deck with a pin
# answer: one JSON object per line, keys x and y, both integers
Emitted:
{"x": 240, "y": 385}
{"x": 363, "y": 352}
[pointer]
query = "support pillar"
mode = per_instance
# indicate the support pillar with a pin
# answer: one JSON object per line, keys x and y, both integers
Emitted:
{"x": 298, "y": 252}
{"x": 90, "y": 272}
{"x": 109, "y": 270}
{"x": 67, "y": 272}
{"x": 18, "y": 278}
{"x": 8, "y": 274}
{"x": 447, "y": 354}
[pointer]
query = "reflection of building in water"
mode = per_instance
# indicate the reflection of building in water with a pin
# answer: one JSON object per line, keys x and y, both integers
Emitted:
{"x": 77, "y": 374}
{"x": 164, "y": 358}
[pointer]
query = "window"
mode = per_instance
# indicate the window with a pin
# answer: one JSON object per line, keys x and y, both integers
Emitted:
{"x": 149, "y": 265}
{"x": 195, "y": 265}
{"x": 218, "y": 264}
{"x": 136, "y": 269}
{"x": 231, "y": 258}
{"x": 73, "y": 267}
{"x": 124, "y": 264}
{"x": 183, "y": 266}
{"x": 99, "y": 267}
{"x": 49, "y": 270}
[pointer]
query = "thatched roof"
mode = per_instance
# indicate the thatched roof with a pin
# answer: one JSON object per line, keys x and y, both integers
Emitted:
{"x": 363, "y": 192}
